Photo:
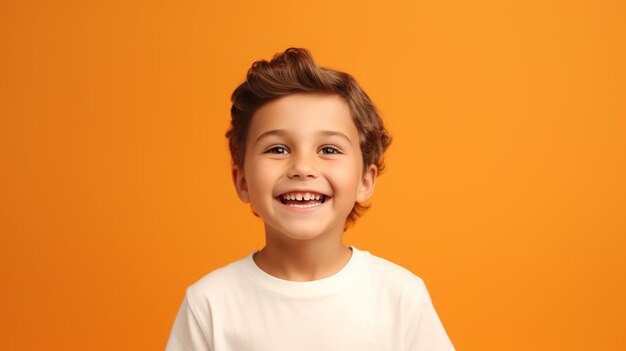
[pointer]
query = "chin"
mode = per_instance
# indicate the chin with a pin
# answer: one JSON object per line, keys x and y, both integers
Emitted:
{"x": 302, "y": 231}
{"x": 303, "y": 235}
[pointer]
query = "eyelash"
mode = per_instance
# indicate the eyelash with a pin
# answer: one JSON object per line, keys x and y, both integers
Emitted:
{"x": 277, "y": 148}
{"x": 336, "y": 150}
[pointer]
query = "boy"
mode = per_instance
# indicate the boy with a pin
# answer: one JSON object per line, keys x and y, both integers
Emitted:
{"x": 307, "y": 145}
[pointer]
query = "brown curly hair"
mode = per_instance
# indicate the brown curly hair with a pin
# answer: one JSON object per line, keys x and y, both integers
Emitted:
{"x": 294, "y": 71}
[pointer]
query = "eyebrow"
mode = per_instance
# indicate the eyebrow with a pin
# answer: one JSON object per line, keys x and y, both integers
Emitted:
{"x": 284, "y": 132}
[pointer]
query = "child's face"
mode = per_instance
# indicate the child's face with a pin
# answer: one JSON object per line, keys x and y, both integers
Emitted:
{"x": 303, "y": 169}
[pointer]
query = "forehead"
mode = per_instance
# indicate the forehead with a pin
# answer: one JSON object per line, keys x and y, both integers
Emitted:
{"x": 304, "y": 114}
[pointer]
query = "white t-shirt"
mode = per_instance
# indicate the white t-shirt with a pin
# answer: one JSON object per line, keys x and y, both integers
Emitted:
{"x": 370, "y": 304}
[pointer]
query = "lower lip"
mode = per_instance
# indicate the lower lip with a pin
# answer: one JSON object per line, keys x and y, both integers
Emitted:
{"x": 302, "y": 209}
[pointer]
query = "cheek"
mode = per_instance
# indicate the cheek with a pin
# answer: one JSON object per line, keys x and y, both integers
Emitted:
{"x": 261, "y": 179}
{"x": 346, "y": 178}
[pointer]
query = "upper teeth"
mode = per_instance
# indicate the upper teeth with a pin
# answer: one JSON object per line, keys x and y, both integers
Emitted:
{"x": 302, "y": 196}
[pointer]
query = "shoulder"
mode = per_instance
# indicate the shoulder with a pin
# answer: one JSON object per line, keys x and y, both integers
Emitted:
{"x": 219, "y": 282}
{"x": 388, "y": 270}
{"x": 394, "y": 279}
{"x": 403, "y": 295}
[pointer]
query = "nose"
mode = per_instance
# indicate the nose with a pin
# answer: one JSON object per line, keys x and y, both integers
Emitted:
{"x": 302, "y": 167}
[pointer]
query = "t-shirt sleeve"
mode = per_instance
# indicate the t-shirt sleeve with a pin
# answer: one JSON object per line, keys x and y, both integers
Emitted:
{"x": 187, "y": 334}
{"x": 424, "y": 331}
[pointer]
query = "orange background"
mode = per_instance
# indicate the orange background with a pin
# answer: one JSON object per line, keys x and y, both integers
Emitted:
{"x": 505, "y": 187}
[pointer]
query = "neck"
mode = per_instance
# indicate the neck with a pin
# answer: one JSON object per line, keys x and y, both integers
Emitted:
{"x": 303, "y": 260}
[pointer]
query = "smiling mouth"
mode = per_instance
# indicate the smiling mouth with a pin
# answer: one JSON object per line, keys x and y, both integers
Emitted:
{"x": 302, "y": 199}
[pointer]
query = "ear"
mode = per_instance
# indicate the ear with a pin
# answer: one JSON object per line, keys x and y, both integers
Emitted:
{"x": 241, "y": 185}
{"x": 368, "y": 181}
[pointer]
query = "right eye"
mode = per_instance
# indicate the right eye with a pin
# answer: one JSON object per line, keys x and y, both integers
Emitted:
{"x": 278, "y": 149}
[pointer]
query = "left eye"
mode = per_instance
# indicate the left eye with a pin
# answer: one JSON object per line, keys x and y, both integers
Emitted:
{"x": 329, "y": 150}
